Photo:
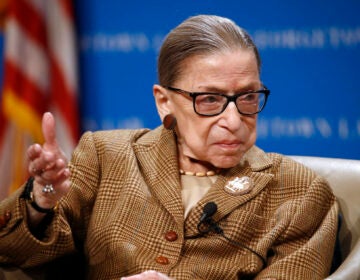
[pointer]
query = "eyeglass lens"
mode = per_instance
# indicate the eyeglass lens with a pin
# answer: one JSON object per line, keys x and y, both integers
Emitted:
{"x": 212, "y": 104}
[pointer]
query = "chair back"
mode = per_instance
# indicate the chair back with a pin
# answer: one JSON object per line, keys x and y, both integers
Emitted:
{"x": 343, "y": 176}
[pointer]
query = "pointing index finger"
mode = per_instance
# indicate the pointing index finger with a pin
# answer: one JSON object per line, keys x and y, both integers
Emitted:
{"x": 48, "y": 129}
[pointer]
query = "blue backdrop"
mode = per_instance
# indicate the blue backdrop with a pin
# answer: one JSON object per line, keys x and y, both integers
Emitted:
{"x": 310, "y": 51}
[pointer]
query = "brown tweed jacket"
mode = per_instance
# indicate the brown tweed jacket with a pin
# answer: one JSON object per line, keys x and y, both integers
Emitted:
{"x": 126, "y": 198}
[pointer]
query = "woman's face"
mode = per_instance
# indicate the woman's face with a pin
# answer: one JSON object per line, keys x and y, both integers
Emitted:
{"x": 219, "y": 140}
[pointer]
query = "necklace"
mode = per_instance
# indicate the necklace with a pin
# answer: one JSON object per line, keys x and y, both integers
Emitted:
{"x": 198, "y": 174}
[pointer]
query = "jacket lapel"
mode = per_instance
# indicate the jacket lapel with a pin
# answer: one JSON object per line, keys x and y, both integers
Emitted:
{"x": 157, "y": 156}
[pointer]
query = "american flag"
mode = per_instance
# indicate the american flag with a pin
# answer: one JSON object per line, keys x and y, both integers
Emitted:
{"x": 40, "y": 74}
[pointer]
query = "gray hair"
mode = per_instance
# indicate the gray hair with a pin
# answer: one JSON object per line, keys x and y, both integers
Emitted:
{"x": 200, "y": 35}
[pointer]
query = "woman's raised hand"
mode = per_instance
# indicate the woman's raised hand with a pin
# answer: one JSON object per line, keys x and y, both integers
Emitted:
{"x": 48, "y": 166}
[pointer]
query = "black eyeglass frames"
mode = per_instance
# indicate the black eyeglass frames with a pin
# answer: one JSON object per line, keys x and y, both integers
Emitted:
{"x": 213, "y": 104}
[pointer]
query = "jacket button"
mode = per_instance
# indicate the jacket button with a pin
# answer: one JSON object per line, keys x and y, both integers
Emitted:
{"x": 171, "y": 236}
{"x": 162, "y": 260}
{"x": 7, "y": 215}
{"x": 5, "y": 218}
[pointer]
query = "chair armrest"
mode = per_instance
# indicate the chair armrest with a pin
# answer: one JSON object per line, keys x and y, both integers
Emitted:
{"x": 350, "y": 268}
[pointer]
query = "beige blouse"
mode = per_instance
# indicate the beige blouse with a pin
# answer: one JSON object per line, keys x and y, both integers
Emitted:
{"x": 193, "y": 189}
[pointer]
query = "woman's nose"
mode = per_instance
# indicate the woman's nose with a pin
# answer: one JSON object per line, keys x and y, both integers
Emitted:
{"x": 231, "y": 118}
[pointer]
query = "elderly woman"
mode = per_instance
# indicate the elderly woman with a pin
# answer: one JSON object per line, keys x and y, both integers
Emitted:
{"x": 192, "y": 199}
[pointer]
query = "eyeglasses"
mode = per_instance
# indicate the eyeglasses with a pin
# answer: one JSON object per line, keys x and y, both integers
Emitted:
{"x": 212, "y": 104}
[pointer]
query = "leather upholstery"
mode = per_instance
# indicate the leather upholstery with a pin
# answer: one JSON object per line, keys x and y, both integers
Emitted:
{"x": 344, "y": 178}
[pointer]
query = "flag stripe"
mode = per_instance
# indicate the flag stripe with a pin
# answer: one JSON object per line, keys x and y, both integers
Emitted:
{"x": 25, "y": 55}
{"x": 26, "y": 89}
{"x": 38, "y": 5}
{"x": 67, "y": 8}
{"x": 35, "y": 28}
{"x": 63, "y": 98}
{"x": 63, "y": 51}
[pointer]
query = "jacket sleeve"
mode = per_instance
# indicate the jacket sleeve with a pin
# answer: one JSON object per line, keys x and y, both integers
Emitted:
{"x": 20, "y": 247}
{"x": 305, "y": 248}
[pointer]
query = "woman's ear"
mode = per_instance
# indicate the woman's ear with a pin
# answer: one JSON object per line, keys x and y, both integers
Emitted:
{"x": 163, "y": 103}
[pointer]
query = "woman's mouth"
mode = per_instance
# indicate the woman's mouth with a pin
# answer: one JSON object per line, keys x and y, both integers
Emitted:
{"x": 228, "y": 145}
